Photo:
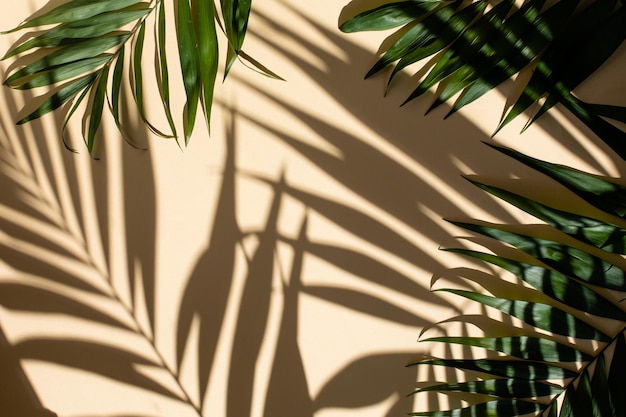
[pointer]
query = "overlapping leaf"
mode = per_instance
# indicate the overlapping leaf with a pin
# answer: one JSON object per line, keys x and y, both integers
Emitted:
{"x": 83, "y": 41}
{"x": 478, "y": 48}
{"x": 583, "y": 284}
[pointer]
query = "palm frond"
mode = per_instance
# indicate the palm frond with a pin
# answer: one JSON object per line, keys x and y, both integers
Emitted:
{"x": 584, "y": 281}
{"x": 83, "y": 42}
{"x": 476, "y": 48}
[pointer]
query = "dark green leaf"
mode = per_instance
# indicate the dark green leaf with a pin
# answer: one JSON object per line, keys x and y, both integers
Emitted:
{"x": 59, "y": 97}
{"x": 600, "y": 401}
{"x": 257, "y": 66}
{"x": 554, "y": 285}
{"x": 582, "y": 405}
{"x": 137, "y": 79}
{"x": 542, "y": 316}
{"x": 207, "y": 52}
{"x": 506, "y": 52}
{"x": 162, "y": 72}
{"x": 580, "y": 49}
{"x": 568, "y": 406}
{"x": 504, "y": 388}
{"x": 597, "y": 191}
{"x": 69, "y": 115}
{"x": 592, "y": 39}
{"x": 524, "y": 347}
{"x": 526, "y": 34}
{"x": 524, "y": 370}
{"x": 605, "y": 110}
{"x": 76, "y": 10}
{"x": 614, "y": 137}
{"x": 388, "y": 16}
{"x": 73, "y": 32}
{"x": 488, "y": 409}
{"x": 603, "y": 235}
{"x": 466, "y": 48}
{"x": 616, "y": 376}
{"x": 564, "y": 259}
{"x": 76, "y": 52}
{"x": 189, "y": 61}
{"x": 96, "y": 109}
{"x": 418, "y": 35}
{"x": 236, "y": 14}
{"x": 116, "y": 85}
{"x": 62, "y": 73}
{"x": 454, "y": 27}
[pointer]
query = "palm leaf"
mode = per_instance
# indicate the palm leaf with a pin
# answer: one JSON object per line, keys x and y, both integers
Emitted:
{"x": 584, "y": 45}
{"x": 498, "y": 387}
{"x": 563, "y": 43}
{"x": 565, "y": 259}
{"x": 583, "y": 284}
{"x": 84, "y": 40}
{"x": 388, "y": 16}
{"x": 523, "y": 347}
{"x": 601, "y": 234}
{"x": 600, "y": 192}
{"x": 235, "y": 13}
{"x": 491, "y": 408}
{"x": 540, "y": 315}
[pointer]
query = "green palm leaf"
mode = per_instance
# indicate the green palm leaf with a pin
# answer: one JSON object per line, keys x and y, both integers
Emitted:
{"x": 469, "y": 43}
{"x": 498, "y": 387}
{"x": 600, "y": 192}
{"x": 540, "y": 315}
{"x": 60, "y": 97}
{"x": 584, "y": 45}
{"x": 235, "y": 13}
{"x": 523, "y": 347}
{"x": 389, "y": 16}
{"x": 490, "y": 409}
{"x": 521, "y": 370}
{"x": 601, "y": 234}
{"x": 583, "y": 286}
{"x": 553, "y": 284}
{"x": 565, "y": 259}
{"x": 85, "y": 39}
{"x": 76, "y": 10}
{"x": 563, "y": 44}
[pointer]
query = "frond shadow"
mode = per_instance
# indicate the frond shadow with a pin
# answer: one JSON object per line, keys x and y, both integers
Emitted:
{"x": 74, "y": 246}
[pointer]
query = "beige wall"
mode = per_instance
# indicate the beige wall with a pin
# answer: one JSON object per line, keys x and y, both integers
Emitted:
{"x": 310, "y": 221}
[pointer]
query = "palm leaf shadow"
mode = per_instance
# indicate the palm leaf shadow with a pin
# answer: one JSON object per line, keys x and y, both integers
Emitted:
{"x": 333, "y": 168}
{"x": 112, "y": 362}
{"x": 354, "y": 386}
{"x": 141, "y": 234}
{"x": 207, "y": 291}
{"x": 253, "y": 315}
{"x": 17, "y": 395}
{"x": 404, "y": 128}
{"x": 288, "y": 390}
{"x": 59, "y": 256}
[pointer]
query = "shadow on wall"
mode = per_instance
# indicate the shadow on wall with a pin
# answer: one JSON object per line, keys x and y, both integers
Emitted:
{"x": 60, "y": 217}
{"x": 17, "y": 395}
{"x": 60, "y": 255}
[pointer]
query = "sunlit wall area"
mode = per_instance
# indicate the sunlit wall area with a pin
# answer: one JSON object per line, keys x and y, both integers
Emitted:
{"x": 281, "y": 265}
